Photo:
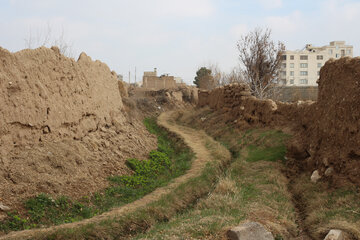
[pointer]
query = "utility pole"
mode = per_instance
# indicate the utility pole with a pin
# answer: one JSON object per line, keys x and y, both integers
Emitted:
{"x": 129, "y": 77}
{"x": 135, "y": 75}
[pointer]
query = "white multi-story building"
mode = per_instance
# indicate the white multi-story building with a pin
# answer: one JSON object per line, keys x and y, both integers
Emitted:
{"x": 302, "y": 68}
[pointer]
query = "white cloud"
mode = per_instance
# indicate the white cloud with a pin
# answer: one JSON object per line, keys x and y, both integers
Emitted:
{"x": 271, "y": 3}
{"x": 286, "y": 24}
{"x": 238, "y": 30}
{"x": 184, "y": 8}
{"x": 339, "y": 10}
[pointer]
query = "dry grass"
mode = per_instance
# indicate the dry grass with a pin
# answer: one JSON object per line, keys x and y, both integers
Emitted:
{"x": 248, "y": 191}
{"x": 323, "y": 207}
{"x": 328, "y": 208}
{"x": 225, "y": 186}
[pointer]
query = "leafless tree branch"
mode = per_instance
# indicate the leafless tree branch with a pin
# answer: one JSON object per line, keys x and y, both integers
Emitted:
{"x": 260, "y": 60}
{"x": 45, "y": 38}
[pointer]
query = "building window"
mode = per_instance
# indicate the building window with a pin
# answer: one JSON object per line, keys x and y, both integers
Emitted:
{"x": 319, "y": 57}
{"x": 283, "y": 57}
{"x": 348, "y": 52}
{"x": 303, "y": 65}
{"x": 292, "y": 81}
{"x": 303, "y": 57}
{"x": 336, "y": 55}
{"x": 330, "y": 51}
{"x": 318, "y": 73}
{"x": 291, "y": 65}
{"x": 283, "y": 73}
{"x": 303, "y": 81}
{"x": 283, "y": 65}
{"x": 303, "y": 73}
{"x": 291, "y": 73}
{"x": 291, "y": 57}
{"x": 319, "y": 65}
{"x": 343, "y": 53}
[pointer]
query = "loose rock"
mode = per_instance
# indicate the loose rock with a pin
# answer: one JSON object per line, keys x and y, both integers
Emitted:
{"x": 4, "y": 208}
{"x": 315, "y": 177}
{"x": 249, "y": 231}
{"x": 334, "y": 234}
{"x": 329, "y": 171}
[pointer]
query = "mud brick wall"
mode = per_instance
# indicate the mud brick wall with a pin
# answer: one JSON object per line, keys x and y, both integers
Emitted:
{"x": 327, "y": 132}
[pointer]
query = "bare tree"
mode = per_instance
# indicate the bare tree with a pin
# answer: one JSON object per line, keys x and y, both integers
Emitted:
{"x": 44, "y": 37}
{"x": 216, "y": 74}
{"x": 234, "y": 76}
{"x": 260, "y": 59}
{"x": 65, "y": 47}
{"x": 222, "y": 78}
{"x": 40, "y": 38}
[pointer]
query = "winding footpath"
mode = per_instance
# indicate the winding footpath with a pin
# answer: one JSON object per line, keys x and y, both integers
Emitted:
{"x": 195, "y": 139}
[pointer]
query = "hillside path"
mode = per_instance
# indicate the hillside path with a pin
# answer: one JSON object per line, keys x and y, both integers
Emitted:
{"x": 195, "y": 139}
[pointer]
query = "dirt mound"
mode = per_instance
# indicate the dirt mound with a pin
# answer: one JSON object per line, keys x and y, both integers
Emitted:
{"x": 63, "y": 126}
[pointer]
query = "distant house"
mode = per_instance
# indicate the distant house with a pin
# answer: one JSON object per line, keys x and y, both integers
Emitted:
{"x": 152, "y": 82}
{"x": 302, "y": 68}
{"x": 120, "y": 77}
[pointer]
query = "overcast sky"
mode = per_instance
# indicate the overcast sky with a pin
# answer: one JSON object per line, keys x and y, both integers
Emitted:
{"x": 176, "y": 36}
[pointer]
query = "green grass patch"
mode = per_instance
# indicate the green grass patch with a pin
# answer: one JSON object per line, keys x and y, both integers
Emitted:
{"x": 271, "y": 154}
{"x": 169, "y": 161}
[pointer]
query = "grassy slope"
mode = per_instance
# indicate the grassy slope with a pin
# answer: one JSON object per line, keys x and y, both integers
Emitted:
{"x": 328, "y": 208}
{"x": 253, "y": 188}
{"x": 323, "y": 207}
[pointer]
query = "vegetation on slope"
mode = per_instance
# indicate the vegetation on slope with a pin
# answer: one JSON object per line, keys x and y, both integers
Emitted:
{"x": 169, "y": 161}
{"x": 327, "y": 204}
{"x": 328, "y": 208}
{"x": 252, "y": 188}
{"x": 196, "y": 184}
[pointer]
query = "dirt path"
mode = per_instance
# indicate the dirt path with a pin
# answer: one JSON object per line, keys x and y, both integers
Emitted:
{"x": 196, "y": 140}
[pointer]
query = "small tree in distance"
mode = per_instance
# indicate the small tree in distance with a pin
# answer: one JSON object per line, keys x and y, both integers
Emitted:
{"x": 260, "y": 61}
{"x": 204, "y": 79}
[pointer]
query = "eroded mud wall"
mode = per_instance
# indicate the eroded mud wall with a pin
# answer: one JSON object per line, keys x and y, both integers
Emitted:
{"x": 326, "y": 132}
{"x": 63, "y": 127}
{"x": 333, "y": 136}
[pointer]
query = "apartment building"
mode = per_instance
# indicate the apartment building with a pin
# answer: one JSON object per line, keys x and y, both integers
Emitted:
{"x": 302, "y": 67}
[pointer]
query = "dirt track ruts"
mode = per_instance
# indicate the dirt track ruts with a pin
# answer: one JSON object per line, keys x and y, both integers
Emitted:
{"x": 195, "y": 139}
